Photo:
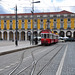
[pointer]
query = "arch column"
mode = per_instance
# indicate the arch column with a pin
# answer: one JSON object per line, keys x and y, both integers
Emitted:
{"x": 64, "y": 33}
{"x": 14, "y": 35}
{"x": 8, "y": 35}
{"x": 58, "y": 32}
{"x": 72, "y": 34}
{"x": 2, "y": 35}
{"x": 26, "y": 36}
{"x": 19, "y": 35}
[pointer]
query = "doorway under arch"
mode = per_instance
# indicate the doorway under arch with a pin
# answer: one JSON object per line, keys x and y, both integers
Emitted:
{"x": 61, "y": 34}
{"x": 10, "y": 35}
{"x": 5, "y": 35}
{"x": 22, "y": 35}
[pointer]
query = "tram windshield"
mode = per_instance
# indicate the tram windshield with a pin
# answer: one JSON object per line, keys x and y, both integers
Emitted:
{"x": 44, "y": 35}
{"x": 47, "y": 35}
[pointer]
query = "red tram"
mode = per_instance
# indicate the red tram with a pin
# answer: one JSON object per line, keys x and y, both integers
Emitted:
{"x": 47, "y": 37}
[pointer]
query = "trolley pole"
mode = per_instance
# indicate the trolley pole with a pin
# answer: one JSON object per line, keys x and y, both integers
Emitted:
{"x": 16, "y": 42}
{"x": 33, "y": 20}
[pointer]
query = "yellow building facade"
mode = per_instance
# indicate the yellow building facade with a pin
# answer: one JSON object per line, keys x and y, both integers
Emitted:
{"x": 62, "y": 22}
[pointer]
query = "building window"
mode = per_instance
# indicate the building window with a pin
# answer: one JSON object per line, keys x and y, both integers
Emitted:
{"x": 54, "y": 20}
{"x": 69, "y": 19}
{"x": 35, "y": 25}
{"x": 5, "y": 21}
{"x": 61, "y": 19}
{"x": 38, "y": 15}
{"x": 17, "y": 20}
{"x": 29, "y": 25}
{"x": 44, "y": 15}
{"x": 28, "y": 20}
{"x": 51, "y": 15}
{"x": 13, "y": 16}
{"x": 48, "y": 25}
{"x": 25, "y": 16}
{"x": 10, "y": 20}
{"x": 2, "y": 16}
{"x": 35, "y": 20}
{"x": 62, "y": 25}
{"x": 69, "y": 25}
{"x": 10, "y": 26}
{"x": 55, "y": 25}
{"x": 41, "y": 20}
{"x": 41, "y": 25}
{"x": 0, "y": 26}
{"x": 22, "y": 20}
{"x": 48, "y": 20}
{"x": 22, "y": 26}
{"x": 4, "y": 26}
{"x": 7, "y": 16}
{"x": 19, "y": 16}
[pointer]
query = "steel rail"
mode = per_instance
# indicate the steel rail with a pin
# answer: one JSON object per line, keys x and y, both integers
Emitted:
{"x": 21, "y": 60}
{"x": 18, "y": 64}
{"x": 44, "y": 67}
{"x": 36, "y": 61}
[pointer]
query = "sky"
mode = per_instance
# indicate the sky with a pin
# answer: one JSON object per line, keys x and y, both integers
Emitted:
{"x": 25, "y": 6}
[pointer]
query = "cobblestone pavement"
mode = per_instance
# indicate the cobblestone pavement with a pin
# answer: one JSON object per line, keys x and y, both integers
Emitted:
{"x": 69, "y": 63}
{"x": 7, "y": 43}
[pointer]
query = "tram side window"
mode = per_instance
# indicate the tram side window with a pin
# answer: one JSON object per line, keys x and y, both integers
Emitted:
{"x": 44, "y": 35}
{"x": 52, "y": 36}
{"x": 47, "y": 35}
{"x": 56, "y": 37}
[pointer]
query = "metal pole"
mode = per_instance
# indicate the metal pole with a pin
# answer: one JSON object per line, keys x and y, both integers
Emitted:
{"x": 32, "y": 21}
{"x": 16, "y": 42}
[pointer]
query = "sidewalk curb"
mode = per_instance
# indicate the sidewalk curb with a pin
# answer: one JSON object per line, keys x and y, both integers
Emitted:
{"x": 16, "y": 50}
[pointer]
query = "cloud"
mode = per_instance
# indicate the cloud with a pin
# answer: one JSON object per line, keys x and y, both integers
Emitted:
{"x": 2, "y": 10}
{"x": 25, "y": 6}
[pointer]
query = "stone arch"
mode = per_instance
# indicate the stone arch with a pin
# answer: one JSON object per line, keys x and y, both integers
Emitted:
{"x": 22, "y": 35}
{"x": 28, "y": 35}
{"x": 10, "y": 35}
{"x": 17, "y": 35}
{"x": 55, "y": 32}
{"x": 61, "y": 34}
{"x": 69, "y": 34}
{"x": 5, "y": 35}
{"x": 35, "y": 33}
{"x": 0, "y": 35}
{"x": 40, "y": 33}
{"x": 74, "y": 34}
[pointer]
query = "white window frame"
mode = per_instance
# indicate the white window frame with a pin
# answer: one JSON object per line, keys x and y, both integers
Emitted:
{"x": 62, "y": 24}
{"x": 54, "y": 25}
{"x": 29, "y": 25}
{"x": 35, "y": 25}
{"x": 41, "y": 25}
{"x": 68, "y": 25}
{"x": 22, "y": 25}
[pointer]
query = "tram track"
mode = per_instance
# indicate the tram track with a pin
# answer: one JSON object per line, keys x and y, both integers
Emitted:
{"x": 22, "y": 58}
{"x": 44, "y": 67}
{"x": 36, "y": 61}
{"x": 17, "y": 63}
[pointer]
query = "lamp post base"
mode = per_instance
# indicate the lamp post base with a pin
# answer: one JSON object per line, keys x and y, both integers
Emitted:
{"x": 16, "y": 43}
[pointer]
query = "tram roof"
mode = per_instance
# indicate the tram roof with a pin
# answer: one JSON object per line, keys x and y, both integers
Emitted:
{"x": 46, "y": 31}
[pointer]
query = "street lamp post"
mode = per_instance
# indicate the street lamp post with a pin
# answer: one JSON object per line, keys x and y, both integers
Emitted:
{"x": 16, "y": 41}
{"x": 33, "y": 19}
